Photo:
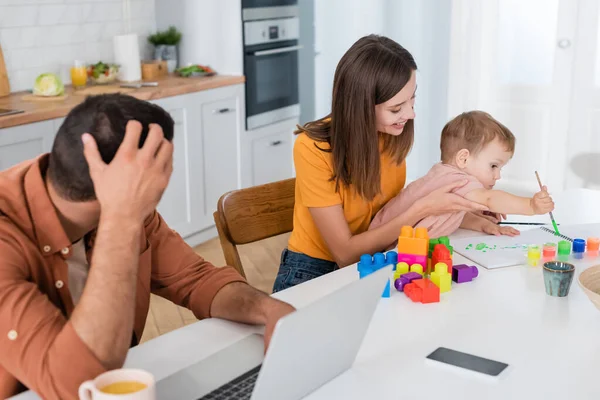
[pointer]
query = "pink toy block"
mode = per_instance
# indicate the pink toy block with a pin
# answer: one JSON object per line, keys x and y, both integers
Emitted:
{"x": 411, "y": 259}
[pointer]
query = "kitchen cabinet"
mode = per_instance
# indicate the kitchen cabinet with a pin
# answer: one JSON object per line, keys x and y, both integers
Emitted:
{"x": 206, "y": 158}
{"x": 221, "y": 122}
{"x": 23, "y": 142}
{"x": 267, "y": 154}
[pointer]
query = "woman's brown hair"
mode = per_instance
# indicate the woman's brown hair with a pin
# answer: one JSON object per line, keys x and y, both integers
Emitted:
{"x": 371, "y": 72}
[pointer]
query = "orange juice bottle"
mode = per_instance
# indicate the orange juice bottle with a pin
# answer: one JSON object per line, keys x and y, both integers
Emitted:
{"x": 78, "y": 75}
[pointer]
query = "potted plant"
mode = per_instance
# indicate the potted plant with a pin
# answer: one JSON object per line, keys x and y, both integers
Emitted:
{"x": 165, "y": 46}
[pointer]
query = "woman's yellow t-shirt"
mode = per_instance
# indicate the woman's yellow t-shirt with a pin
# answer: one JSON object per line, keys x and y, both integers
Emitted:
{"x": 314, "y": 188}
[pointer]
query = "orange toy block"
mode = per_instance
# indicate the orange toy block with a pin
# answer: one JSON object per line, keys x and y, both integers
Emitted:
{"x": 422, "y": 290}
{"x": 413, "y": 241}
{"x": 441, "y": 254}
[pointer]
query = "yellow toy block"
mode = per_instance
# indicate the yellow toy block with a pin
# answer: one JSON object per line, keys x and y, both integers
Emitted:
{"x": 441, "y": 278}
{"x": 413, "y": 241}
{"x": 418, "y": 268}
{"x": 402, "y": 267}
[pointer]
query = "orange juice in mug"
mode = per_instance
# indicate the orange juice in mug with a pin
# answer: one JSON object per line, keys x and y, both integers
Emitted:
{"x": 120, "y": 384}
{"x": 79, "y": 74}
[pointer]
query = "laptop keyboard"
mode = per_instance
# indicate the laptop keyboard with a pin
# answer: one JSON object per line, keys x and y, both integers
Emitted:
{"x": 239, "y": 388}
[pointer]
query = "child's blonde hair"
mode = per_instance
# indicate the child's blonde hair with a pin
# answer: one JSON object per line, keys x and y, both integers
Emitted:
{"x": 472, "y": 131}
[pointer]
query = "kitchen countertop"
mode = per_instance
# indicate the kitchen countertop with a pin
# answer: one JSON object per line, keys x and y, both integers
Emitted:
{"x": 36, "y": 111}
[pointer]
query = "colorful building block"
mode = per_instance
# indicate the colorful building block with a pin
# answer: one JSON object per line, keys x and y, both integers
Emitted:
{"x": 367, "y": 265}
{"x": 422, "y": 290}
{"x": 391, "y": 257}
{"x": 464, "y": 273}
{"x": 401, "y": 268}
{"x": 432, "y": 243}
{"x": 441, "y": 254}
{"x": 441, "y": 277}
{"x": 405, "y": 279}
{"x": 418, "y": 268}
{"x": 413, "y": 242}
{"x": 411, "y": 259}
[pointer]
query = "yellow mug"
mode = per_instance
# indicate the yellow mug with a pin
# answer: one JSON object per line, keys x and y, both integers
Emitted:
{"x": 120, "y": 384}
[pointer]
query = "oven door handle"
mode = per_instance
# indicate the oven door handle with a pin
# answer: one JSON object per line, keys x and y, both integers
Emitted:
{"x": 277, "y": 51}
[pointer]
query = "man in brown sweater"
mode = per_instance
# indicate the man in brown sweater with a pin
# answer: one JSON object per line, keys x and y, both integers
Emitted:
{"x": 82, "y": 247}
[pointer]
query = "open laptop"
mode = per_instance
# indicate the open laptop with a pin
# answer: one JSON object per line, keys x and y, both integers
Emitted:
{"x": 308, "y": 348}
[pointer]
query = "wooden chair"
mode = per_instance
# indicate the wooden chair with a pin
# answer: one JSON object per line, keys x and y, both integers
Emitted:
{"x": 248, "y": 215}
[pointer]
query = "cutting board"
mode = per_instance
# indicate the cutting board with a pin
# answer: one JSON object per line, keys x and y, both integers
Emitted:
{"x": 102, "y": 89}
{"x": 4, "y": 86}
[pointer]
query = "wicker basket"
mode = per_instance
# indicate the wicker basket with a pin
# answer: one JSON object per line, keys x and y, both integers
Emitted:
{"x": 589, "y": 280}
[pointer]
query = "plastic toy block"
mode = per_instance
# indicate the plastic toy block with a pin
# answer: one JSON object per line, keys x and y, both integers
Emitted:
{"x": 367, "y": 265}
{"x": 378, "y": 260}
{"x": 422, "y": 290}
{"x": 411, "y": 259}
{"x": 441, "y": 278}
{"x": 464, "y": 273}
{"x": 402, "y": 268}
{"x": 413, "y": 241}
{"x": 444, "y": 240}
{"x": 405, "y": 279}
{"x": 441, "y": 254}
{"x": 386, "y": 290}
{"x": 432, "y": 243}
{"x": 418, "y": 268}
{"x": 391, "y": 257}
{"x": 534, "y": 254}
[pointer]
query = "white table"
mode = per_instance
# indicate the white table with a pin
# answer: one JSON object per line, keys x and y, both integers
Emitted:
{"x": 551, "y": 344}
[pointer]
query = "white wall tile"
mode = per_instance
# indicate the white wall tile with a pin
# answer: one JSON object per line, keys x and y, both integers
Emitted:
{"x": 105, "y": 12}
{"x": 59, "y": 14}
{"x": 13, "y": 16}
{"x": 28, "y": 2}
{"x": 142, "y": 9}
{"x": 92, "y": 31}
{"x": 48, "y": 35}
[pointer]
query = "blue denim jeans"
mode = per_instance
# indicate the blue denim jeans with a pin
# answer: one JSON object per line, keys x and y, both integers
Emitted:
{"x": 296, "y": 268}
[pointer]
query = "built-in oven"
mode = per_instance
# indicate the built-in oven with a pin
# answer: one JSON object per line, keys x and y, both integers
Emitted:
{"x": 271, "y": 62}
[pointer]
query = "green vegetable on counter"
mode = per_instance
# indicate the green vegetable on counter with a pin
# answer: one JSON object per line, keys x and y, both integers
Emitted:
{"x": 48, "y": 85}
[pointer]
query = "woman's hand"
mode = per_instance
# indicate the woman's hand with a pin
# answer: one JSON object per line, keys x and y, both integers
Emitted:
{"x": 442, "y": 201}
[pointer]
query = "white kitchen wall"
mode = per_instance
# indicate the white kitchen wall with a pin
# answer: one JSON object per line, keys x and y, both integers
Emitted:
{"x": 211, "y": 29}
{"x": 422, "y": 27}
{"x": 48, "y": 35}
{"x": 338, "y": 24}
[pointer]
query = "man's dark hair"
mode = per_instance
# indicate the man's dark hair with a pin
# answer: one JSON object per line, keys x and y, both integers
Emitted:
{"x": 105, "y": 118}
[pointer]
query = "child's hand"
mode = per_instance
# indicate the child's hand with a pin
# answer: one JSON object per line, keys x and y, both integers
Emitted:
{"x": 492, "y": 216}
{"x": 542, "y": 203}
{"x": 497, "y": 230}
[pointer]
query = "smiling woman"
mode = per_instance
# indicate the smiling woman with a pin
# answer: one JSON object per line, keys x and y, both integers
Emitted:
{"x": 352, "y": 162}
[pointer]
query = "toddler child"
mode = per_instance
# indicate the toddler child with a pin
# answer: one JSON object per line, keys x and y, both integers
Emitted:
{"x": 474, "y": 148}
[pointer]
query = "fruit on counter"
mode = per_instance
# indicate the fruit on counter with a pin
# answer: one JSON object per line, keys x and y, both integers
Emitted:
{"x": 102, "y": 72}
{"x": 195, "y": 69}
{"x": 48, "y": 85}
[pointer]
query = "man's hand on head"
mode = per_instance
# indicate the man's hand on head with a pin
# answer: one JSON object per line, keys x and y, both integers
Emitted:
{"x": 132, "y": 184}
